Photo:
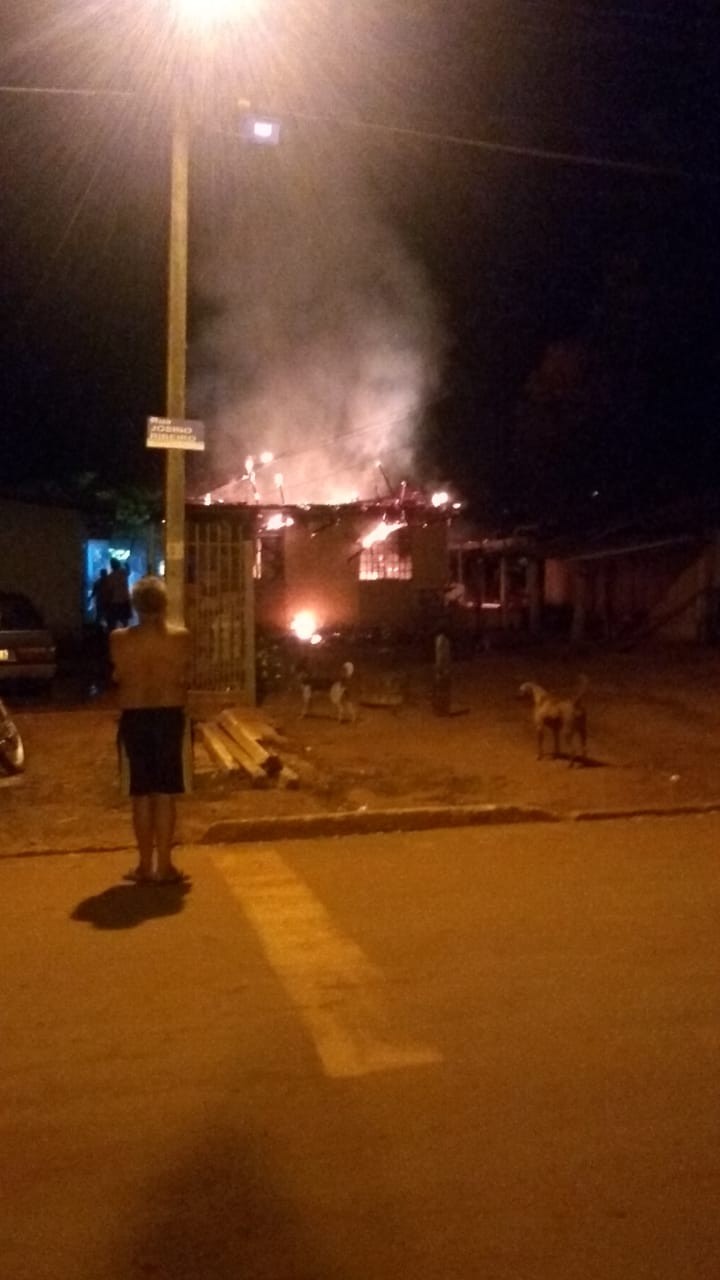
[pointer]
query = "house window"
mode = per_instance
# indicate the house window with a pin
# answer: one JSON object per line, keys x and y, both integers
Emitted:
{"x": 388, "y": 561}
{"x": 269, "y": 558}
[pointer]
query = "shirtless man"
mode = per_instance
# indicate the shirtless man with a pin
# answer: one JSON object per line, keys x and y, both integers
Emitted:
{"x": 151, "y": 669}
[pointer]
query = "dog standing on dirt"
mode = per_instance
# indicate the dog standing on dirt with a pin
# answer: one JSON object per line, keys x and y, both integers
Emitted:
{"x": 564, "y": 718}
{"x": 338, "y": 690}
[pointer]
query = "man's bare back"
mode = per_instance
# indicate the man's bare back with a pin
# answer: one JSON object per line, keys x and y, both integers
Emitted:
{"x": 152, "y": 664}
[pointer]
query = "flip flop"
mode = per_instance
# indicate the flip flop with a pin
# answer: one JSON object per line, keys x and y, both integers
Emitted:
{"x": 136, "y": 876}
{"x": 173, "y": 877}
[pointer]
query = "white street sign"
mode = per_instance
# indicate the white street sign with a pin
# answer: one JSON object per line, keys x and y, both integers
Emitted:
{"x": 175, "y": 433}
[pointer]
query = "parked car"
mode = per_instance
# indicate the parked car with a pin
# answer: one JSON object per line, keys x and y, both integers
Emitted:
{"x": 27, "y": 649}
{"x": 12, "y": 751}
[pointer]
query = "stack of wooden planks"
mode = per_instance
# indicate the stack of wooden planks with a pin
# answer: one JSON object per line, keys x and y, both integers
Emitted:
{"x": 241, "y": 745}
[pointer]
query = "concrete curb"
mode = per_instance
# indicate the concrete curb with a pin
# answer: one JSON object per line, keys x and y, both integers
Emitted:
{"x": 74, "y": 852}
{"x": 386, "y": 821}
{"x": 649, "y": 811}
{"x": 378, "y": 821}
{"x": 370, "y": 821}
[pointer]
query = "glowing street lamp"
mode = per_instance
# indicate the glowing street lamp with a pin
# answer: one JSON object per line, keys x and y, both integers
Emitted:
{"x": 262, "y": 130}
{"x": 204, "y": 14}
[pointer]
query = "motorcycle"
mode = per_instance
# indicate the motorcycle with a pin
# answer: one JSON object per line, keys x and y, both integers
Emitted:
{"x": 12, "y": 752}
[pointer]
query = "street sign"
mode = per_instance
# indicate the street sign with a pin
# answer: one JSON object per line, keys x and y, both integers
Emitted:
{"x": 175, "y": 433}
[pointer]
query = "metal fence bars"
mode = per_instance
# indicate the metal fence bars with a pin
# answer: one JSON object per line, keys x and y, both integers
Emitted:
{"x": 219, "y": 605}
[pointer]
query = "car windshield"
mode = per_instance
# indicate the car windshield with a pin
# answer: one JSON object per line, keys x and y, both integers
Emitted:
{"x": 17, "y": 614}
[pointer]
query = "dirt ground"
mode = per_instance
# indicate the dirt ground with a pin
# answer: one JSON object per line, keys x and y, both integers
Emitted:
{"x": 654, "y": 722}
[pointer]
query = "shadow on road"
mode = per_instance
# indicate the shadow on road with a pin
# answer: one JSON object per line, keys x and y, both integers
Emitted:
{"x": 124, "y": 906}
{"x": 580, "y": 762}
{"x": 221, "y": 1213}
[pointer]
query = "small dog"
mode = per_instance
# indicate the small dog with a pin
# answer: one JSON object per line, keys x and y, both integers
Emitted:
{"x": 339, "y": 691}
{"x": 565, "y": 718}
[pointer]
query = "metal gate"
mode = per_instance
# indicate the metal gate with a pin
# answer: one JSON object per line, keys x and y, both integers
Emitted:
{"x": 219, "y": 604}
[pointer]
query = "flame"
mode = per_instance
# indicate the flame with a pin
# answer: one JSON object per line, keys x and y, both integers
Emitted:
{"x": 278, "y": 521}
{"x": 440, "y": 499}
{"x": 266, "y": 457}
{"x": 305, "y": 625}
{"x": 380, "y": 532}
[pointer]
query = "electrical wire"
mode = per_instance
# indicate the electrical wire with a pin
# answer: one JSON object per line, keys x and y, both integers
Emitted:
{"x": 382, "y": 424}
{"x": 574, "y": 158}
{"x": 582, "y": 159}
{"x": 59, "y": 91}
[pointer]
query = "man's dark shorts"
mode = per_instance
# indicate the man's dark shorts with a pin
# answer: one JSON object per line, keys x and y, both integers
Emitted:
{"x": 152, "y": 740}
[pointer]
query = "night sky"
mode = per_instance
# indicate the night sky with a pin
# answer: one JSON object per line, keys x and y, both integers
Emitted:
{"x": 578, "y": 302}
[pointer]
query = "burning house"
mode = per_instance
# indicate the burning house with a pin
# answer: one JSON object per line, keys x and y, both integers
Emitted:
{"x": 307, "y": 569}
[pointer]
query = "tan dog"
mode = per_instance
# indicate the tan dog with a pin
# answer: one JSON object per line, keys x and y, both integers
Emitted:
{"x": 566, "y": 719}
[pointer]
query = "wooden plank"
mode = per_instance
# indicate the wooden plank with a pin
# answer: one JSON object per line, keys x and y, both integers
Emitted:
{"x": 234, "y": 728}
{"x": 202, "y": 763}
{"x": 216, "y": 746}
{"x": 257, "y": 775}
{"x": 260, "y": 730}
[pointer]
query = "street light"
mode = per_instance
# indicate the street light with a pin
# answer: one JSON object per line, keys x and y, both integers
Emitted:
{"x": 210, "y": 13}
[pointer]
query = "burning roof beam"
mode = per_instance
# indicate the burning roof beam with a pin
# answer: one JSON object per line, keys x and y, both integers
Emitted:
{"x": 380, "y": 532}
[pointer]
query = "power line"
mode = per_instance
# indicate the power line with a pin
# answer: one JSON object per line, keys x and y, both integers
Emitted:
{"x": 577, "y": 159}
{"x": 58, "y": 91}
{"x": 580, "y": 159}
{"x": 382, "y": 424}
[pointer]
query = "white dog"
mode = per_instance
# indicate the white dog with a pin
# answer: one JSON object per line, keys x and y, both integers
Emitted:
{"x": 338, "y": 690}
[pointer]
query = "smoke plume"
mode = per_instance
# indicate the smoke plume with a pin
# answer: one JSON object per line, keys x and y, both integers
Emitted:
{"x": 322, "y": 342}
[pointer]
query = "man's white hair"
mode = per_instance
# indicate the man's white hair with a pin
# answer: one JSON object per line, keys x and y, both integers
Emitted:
{"x": 149, "y": 596}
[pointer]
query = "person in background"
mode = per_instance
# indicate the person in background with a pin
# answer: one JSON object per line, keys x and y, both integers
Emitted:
{"x": 119, "y": 610}
{"x": 101, "y": 598}
{"x": 151, "y": 663}
{"x": 442, "y": 675}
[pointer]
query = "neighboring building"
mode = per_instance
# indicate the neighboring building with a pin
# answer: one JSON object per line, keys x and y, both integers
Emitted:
{"x": 53, "y": 553}
{"x": 655, "y": 575}
{"x": 139, "y": 551}
{"x": 626, "y": 591}
{"x": 41, "y": 556}
{"x": 496, "y": 583}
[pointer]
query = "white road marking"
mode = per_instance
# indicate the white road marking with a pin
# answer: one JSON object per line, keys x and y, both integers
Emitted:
{"x": 338, "y": 993}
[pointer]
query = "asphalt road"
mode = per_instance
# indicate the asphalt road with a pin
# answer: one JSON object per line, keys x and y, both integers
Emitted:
{"x": 481, "y": 1053}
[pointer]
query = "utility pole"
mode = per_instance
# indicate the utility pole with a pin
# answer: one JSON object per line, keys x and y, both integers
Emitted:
{"x": 177, "y": 361}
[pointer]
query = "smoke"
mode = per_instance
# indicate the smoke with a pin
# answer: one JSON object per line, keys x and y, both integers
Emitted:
{"x": 322, "y": 342}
